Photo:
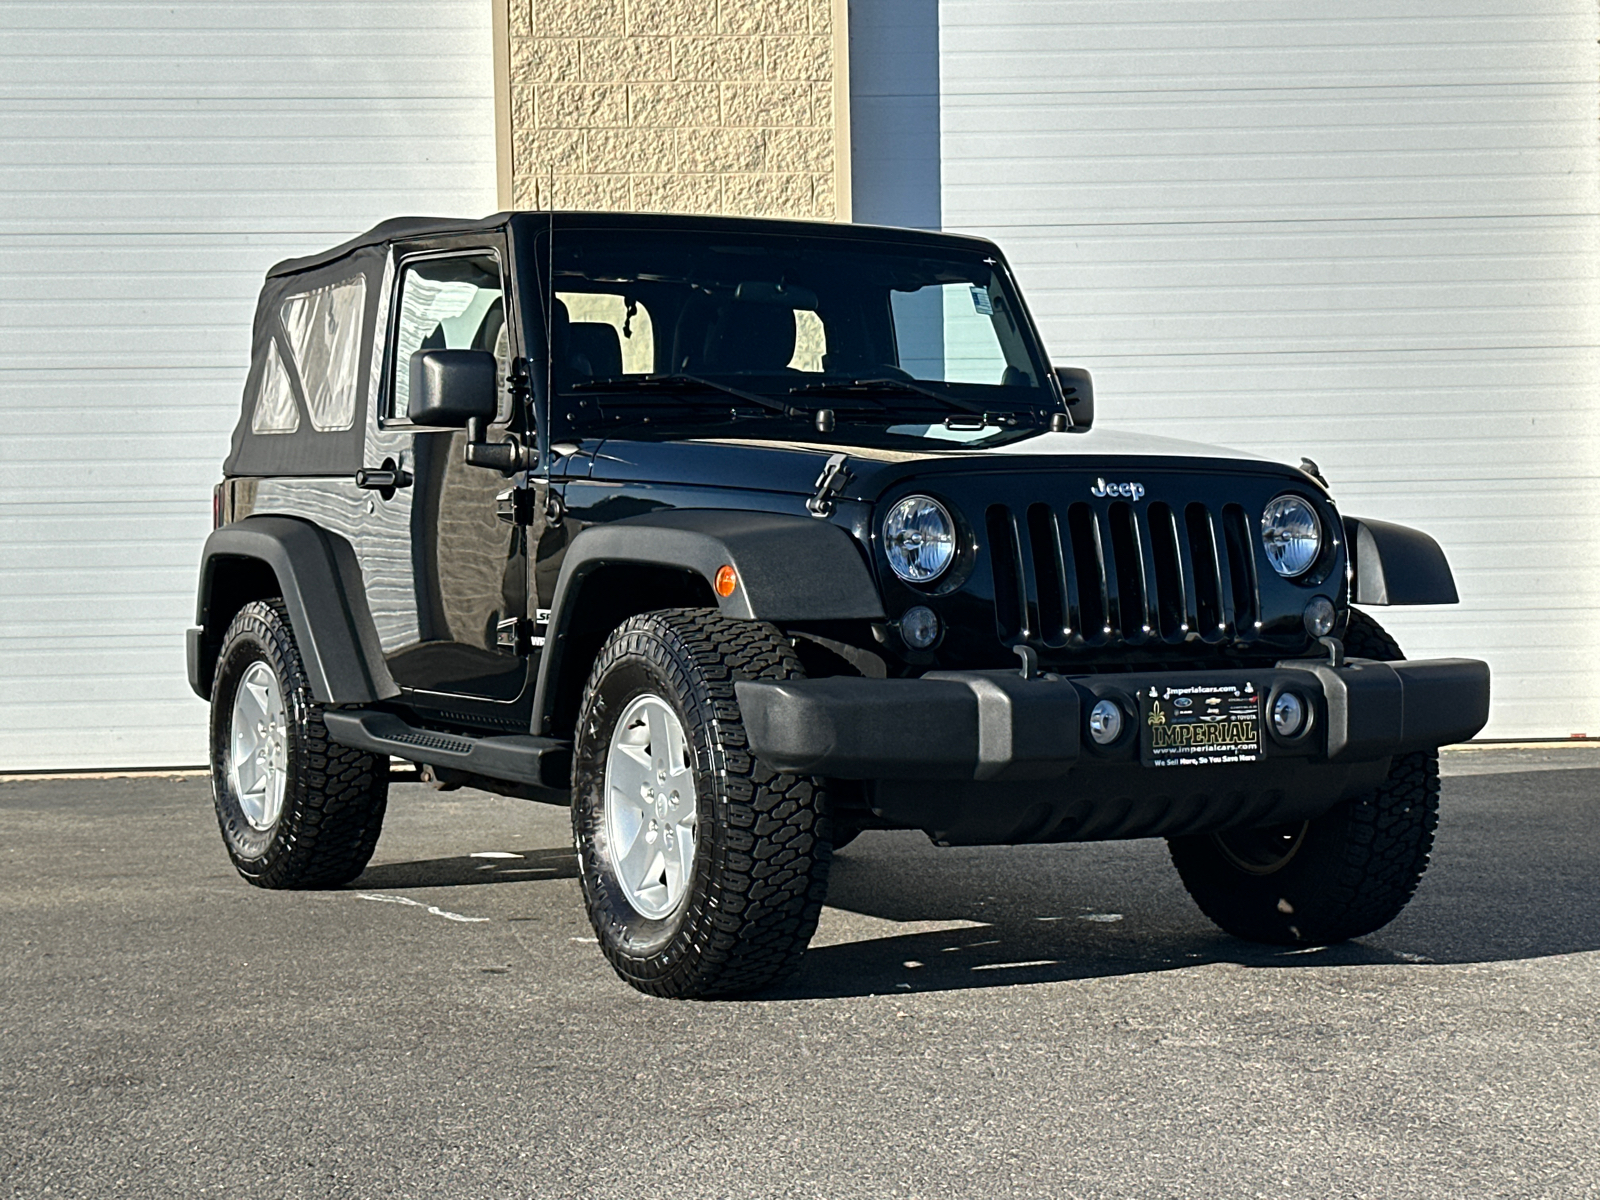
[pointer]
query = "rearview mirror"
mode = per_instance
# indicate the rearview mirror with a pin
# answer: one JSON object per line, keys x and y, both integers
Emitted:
{"x": 450, "y": 388}
{"x": 788, "y": 295}
{"x": 1077, "y": 389}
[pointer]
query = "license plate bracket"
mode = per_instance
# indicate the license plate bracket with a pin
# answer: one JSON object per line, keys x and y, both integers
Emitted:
{"x": 1198, "y": 725}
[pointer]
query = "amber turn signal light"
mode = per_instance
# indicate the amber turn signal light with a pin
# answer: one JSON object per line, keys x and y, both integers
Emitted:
{"x": 727, "y": 580}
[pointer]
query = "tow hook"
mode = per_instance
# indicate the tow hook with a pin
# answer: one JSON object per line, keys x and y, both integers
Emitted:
{"x": 832, "y": 480}
{"x": 1335, "y": 649}
{"x": 1030, "y": 660}
{"x": 1030, "y": 665}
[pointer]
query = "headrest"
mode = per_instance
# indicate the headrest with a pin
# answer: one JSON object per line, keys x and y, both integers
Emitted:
{"x": 594, "y": 349}
{"x": 751, "y": 337}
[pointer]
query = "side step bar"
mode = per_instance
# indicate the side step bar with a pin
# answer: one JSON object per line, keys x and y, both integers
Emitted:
{"x": 544, "y": 763}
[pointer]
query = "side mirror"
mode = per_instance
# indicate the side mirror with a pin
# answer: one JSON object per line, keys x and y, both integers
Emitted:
{"x": 1077, "y": 389}
{"x": 450, "y": 388}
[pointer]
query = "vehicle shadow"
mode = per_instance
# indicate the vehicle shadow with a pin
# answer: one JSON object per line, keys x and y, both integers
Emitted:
{"x": 1515, "y": 875}
{"x": 470, "y": 870}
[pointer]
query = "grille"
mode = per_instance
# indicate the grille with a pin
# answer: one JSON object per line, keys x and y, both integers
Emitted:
{"x": 1123, "y": 575}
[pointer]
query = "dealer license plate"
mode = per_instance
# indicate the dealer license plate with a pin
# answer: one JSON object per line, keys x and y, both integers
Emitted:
{"x": 1197, "y": 725}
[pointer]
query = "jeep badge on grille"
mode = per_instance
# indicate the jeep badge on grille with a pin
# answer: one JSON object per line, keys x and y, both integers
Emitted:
{"x": 1134, "y": 491}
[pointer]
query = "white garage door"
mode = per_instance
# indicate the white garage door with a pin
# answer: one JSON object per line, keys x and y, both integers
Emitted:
{"x": 155, "y": 159}
{"x": 1359, "y": 230}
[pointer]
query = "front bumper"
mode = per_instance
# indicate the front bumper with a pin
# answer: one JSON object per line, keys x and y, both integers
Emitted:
{"x": 1014, "y": 760}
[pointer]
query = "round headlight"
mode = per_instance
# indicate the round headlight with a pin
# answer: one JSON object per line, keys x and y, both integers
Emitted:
{"x": 920, "y": 539}
{"x": 1291, "y": 534}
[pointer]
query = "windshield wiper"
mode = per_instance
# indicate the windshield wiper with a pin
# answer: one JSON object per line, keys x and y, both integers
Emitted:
{"x": 679, "y": 382}
{"x": 862, "y": 387}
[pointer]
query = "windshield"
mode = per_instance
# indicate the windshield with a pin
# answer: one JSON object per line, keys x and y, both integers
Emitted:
{"x": 691, "y": 319}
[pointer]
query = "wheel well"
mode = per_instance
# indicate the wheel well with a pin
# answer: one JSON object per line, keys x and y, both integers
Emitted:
{"x": 234, "y": 583}
{"x": 607, "y": 597}
{"x": 231, "y": 583}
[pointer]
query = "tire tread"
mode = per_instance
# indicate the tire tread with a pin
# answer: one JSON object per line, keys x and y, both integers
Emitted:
{"x": 770, "y": 850}
{"x": 1384, "y": 845}
{"x": 334, "y": 811}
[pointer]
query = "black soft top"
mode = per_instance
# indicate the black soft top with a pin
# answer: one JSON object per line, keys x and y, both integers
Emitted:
{"x": 403, "y": 229}
{"x": 297, "y": 446}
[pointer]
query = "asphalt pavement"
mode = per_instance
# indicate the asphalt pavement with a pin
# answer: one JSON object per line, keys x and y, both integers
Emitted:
{"x": 1033, "y": 1022}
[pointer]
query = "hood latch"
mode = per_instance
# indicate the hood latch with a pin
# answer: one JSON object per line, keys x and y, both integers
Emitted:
{"x": 829, "y": 484}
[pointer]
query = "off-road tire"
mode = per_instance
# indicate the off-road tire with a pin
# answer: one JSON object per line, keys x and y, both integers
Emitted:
{"x": 1354, "y": 868}
{"x": 334, "y": 797}
{"x": 760, "y": 868}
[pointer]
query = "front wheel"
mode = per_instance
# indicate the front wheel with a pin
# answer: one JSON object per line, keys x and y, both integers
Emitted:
{"x": 703, "y": 870}
{"x": 1343, "y": 875}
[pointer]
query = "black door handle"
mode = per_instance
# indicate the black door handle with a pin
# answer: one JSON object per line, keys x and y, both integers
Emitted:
{"x": 382, "y": 479}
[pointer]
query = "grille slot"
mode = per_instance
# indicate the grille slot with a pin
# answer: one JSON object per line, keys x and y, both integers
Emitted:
{"x": 1124, "y": 574}
{"x": 1171, "y": 597}
{"x": 1127, "y": 557}
{"x": 1207, "y": 610}
{"x": 1089, "y": 574}
{"x": 1010, "y": 588}
{"x": 1241, "y": 575}
{"x": 1050, "y": 576}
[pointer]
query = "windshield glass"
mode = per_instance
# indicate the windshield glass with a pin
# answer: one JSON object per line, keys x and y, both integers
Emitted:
{"x": 647, "y": 317}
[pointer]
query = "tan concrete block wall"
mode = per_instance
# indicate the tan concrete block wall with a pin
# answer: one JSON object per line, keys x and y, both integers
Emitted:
{"x": 723, "y": 106}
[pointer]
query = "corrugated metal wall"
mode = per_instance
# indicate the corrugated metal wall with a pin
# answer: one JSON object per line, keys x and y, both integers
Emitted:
{"x": 894, "y": 112}
{"x": 1359, "y": 230}
{"x": 155, "y": 159}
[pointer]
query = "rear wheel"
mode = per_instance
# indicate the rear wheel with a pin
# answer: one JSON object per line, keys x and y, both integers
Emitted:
{"x": 1343, "y": 875}
{"x": 703, "y": 870}
{"x": 296, "y": 809}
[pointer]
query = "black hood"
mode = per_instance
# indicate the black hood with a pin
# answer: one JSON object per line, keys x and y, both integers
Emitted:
{"x": 769, "y": 464}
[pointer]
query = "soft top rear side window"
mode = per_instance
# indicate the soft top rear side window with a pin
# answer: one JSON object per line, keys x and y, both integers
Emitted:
{"x": 276, "y": 410}
{"x": 323, "y": 330}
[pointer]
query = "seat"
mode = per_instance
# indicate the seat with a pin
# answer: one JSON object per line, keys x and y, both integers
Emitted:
{"x": 583, "y": 349}
{"x": 750, "y": 338}
{"x": 594, "y": 349}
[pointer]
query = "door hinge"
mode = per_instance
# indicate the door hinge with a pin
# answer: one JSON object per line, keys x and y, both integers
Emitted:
{"x": 515, "y": 506}
{"x": 514, "y": 634}
{"x": 520, "y": 635}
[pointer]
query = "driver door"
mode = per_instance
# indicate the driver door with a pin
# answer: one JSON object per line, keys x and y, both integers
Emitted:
{"x": 469, "y": 657}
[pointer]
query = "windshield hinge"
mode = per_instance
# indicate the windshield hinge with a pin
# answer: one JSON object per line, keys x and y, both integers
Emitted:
{"x": 832, "y": 480}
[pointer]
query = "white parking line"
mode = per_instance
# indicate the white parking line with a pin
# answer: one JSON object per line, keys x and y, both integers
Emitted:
{"x": 433, "y": 909}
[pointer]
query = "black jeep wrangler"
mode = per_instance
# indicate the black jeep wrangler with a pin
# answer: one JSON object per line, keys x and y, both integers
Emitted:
{"x": 742, "y": 537}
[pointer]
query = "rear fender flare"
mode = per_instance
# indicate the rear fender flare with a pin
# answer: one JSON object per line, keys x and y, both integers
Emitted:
{"x": 320, "y": 582}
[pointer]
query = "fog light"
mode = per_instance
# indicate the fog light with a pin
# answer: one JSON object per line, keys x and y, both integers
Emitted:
{"x": 1319, "y": 616}
{"x": 920, "y": 627}
{"x": 1288, "y": 714}
{"x": 1105, "y": 722}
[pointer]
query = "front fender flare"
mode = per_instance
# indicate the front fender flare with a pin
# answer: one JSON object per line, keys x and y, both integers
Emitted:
{"x": 1394, "y": 564}
{"x": 322, "y": 588}
{"x": 789, "y": 568}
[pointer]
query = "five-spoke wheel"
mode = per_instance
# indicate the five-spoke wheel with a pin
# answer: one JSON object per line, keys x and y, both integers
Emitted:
{"x": 296, "y": 809}
{"x": 258, "y": 748}
{"x": 703, "y": 870}
{"x": 650, "y": 806}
